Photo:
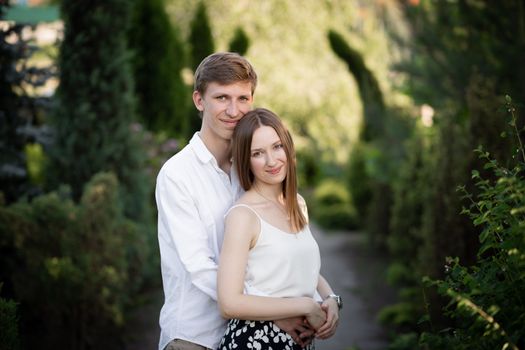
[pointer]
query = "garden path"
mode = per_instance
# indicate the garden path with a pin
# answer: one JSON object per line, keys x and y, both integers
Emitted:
{"x": 353, "y": 270}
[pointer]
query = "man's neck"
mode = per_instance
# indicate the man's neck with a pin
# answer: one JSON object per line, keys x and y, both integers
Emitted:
{"x": 220, "y": 149}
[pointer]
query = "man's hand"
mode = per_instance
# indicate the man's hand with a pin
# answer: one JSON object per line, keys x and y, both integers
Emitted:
{"x": 298, "y": 329}
{"x": 329, "y": 305}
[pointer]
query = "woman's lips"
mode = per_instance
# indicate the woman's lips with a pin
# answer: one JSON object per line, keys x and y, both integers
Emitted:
{"x": 275, "y": 171}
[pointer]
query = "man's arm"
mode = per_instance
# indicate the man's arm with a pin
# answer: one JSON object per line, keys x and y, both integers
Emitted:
{"x": 183, "y": 229}
{"x": 298, "y": 328}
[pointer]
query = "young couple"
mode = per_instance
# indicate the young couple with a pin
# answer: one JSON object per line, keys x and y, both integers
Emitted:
{"x": 232, "y": 193}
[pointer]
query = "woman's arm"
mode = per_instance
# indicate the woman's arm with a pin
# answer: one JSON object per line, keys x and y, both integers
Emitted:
{"x": 329, "y": 305}
{"x": 241, "y": 233}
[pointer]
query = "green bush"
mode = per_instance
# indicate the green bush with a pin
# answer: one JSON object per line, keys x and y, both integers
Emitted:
{"x": 9, "y": 338}
{"x": 73, "y": 268}
{"x": 358, "y": 180}
{"x": 486, "y": 301}
{"x": 333, "y": 208}
{"x": 95, "y": 104}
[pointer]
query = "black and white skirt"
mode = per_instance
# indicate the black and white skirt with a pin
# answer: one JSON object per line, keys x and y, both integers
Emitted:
{"x": 258, "y": 335}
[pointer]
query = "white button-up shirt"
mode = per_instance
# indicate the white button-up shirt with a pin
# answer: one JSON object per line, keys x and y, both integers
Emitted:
{"x": 192, "y": 195}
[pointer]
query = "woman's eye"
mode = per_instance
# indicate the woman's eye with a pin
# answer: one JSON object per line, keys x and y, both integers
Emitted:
{"x": 256, "y": 154}
{"x": 278, "y": 146}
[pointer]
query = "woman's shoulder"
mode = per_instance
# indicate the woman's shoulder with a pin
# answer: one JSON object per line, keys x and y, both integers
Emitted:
{"x": 302, "y": 206}
{"x": 243, "y": 209}
{"x": 241, "y": 218}
{"x": 301, "y": 201}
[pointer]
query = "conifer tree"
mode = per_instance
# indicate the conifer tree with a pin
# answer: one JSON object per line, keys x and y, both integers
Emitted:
{"x": 95, "y": 102}
{"x": 201, "y": 45}
{"x": 159, "y": 56}
{"x": 201, "y": 38}
{"x": 19, "y": 110}
{"x": 239, "y": 42}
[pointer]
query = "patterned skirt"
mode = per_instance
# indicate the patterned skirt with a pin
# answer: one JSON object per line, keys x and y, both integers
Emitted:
{"x": 258, "y": 335}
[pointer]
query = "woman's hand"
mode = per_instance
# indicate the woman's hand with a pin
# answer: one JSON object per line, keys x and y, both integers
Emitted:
{"x": 316, "y": 317}
{"x": 329, "y": 306}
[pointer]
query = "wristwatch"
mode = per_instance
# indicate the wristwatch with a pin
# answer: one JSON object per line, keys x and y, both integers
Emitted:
{"x": 337, "y": 299}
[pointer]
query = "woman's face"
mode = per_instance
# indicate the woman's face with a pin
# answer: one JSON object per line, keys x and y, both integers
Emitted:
{"x": 267, "y": 158}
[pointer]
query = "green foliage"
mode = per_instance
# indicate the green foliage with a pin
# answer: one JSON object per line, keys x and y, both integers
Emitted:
{"x": 73, "y": 268}
{"x": 411, "y": 193}
{"x": 201, "y": 38}
{"x": 333, "y": 208}
{"x": 159, "y": 57}
{"x": 240, "y": 42}
{"x": 369, "y": 90}
{"x": 400, "y": 314}
{"x": 358, "y": 180}
{"x": 201, "y": 45}
{"x": 96, "y": 105}
{"x": 21, "y": 110}
{"x": 308, "y": 168}
{"x": 462, "y": 54}
{"x": 404, "y": 342}
{"x": 9, "y": 338}
{"x": 373, "y": 163}
{"x": 453, "y": 41}
{"x": 486, "y": 302}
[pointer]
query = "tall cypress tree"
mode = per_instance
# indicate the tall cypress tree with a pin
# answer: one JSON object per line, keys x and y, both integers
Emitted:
{"x": 201, "y": 45}
{"x": 95, "y": 101}
{"x": 158, "y": 59}
{"x": 201, "y": 39}
{"x": 239, "y": 42}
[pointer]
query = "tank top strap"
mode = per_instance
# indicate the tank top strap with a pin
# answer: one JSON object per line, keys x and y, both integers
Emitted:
{"x": 245, "y": 206}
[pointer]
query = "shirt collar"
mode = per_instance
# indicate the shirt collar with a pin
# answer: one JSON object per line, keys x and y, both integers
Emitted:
{"x": 202, "y": 152}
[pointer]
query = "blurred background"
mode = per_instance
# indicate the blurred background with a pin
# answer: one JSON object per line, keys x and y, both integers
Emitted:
{"x": 406, "y": 118}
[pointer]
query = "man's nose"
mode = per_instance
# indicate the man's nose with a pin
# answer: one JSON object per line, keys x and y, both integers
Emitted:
{"x": 232, "y": 110}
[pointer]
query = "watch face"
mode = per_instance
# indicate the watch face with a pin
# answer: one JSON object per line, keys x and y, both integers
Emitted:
{"x": 339, "y": 302}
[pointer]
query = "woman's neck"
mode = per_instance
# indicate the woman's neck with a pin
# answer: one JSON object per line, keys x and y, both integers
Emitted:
{"x": 269, "y": 192}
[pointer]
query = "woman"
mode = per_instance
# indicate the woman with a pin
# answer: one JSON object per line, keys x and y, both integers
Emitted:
{"x": 268, "y": 244}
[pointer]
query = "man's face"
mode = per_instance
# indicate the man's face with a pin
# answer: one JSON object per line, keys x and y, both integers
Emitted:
{"x": 222, "y": 106}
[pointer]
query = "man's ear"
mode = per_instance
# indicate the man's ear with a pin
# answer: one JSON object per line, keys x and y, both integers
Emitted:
{"x": 197, "y": 100}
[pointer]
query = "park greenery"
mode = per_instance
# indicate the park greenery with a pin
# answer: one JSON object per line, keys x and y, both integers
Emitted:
{"x": 408, "y": 122}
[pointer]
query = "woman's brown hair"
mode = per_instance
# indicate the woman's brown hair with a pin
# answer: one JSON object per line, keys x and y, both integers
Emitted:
{"x": 241, "y": 153}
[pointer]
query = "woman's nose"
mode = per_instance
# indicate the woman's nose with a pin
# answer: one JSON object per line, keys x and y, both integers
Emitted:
{"x": 270, "y": 159}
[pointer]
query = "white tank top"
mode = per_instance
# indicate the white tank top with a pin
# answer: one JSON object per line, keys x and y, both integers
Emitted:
{"x": 283, "y": 264}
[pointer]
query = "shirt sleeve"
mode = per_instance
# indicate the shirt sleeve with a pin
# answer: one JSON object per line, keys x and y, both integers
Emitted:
{"x": 181, "y": 224}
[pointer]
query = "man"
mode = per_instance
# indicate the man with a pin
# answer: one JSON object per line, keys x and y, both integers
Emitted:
{"x": 194, "y": 189}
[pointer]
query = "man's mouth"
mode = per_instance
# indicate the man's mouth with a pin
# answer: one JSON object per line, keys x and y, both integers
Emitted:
{"x": 230, "y": 122}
